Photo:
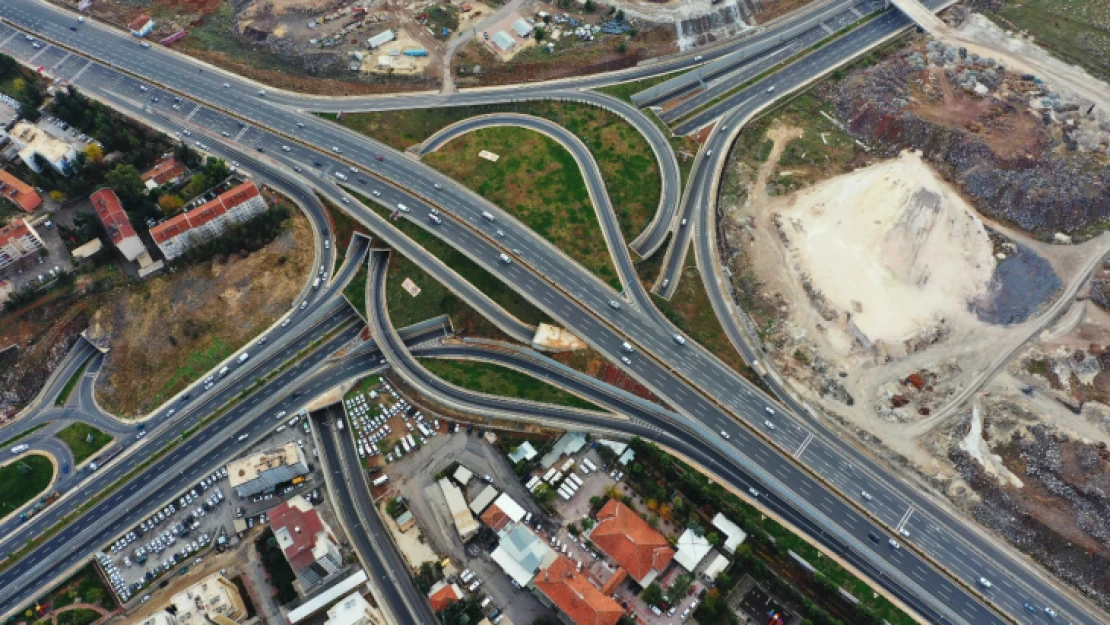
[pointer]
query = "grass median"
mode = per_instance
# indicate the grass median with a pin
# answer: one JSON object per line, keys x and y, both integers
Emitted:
{"x": 22, "y": 480}
{"x": 83, "y": 440}
{"x": 497, "y": 380}
{"x": 623, "y": 155}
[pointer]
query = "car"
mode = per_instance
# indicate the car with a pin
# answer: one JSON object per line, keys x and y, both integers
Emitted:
{"x": 866, "y": 495}
{"x": 985, "y": 583}
{"x": 300, "y": 124}
{"x": 626, "y": 361}
{"x": 904, "y": 532}
{"x": 243, "y": 437}
{"x": 1030, "y": 608}
{"x": 487, "y": 478}
{"x": 304, "y": 305}
{"x": 336, "y": 149}
{"x": 656, "y": 611}
{"x": 297, "y": 169}
{"x": 770, "y": 410}
{"x": 614, "y": 304}
{"x": 725, "y": 435}
{"x": 1050, "y": 612}
{"x": 437, "y": 185}
{"x": 140, "y": 435}
{"x": 376, "y": 193}
{"x": 873, "y": 537}
{"x": 73, "y": 28}
{"x": 286, "y": 322}
{"x": 753, "y": 491}
{"x": 344, "y": 200}
{"x": 379, "y": 157}
{"x": 771, "y": 89}
{"x": 769, "y": 425}
{"x": 286, "y": 148}
{"x": 227, "y": 86}
{"x": 698, "y": 57}
{"x": 893, "y": 544}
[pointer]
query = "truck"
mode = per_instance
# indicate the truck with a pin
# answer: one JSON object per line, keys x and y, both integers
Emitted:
{"x": 590, "y": 464}
{"x": 532, "y": 482}
{"x": 416, "y": 52}
{"x": 316, "y": 283}
{"x": 298, "y": 480}
{"x": 405, "y": 445}
{"x": 243, "y": 357}
{"x": 411, "y": 440}
{"x": 550, "y": 474}
{"x": 108, "y": 454}
{"x": 380, "y": 480}
{"x": 567, "y": 465}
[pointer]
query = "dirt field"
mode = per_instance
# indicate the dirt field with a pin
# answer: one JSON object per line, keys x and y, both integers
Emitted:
{"x": 166, "y": 332}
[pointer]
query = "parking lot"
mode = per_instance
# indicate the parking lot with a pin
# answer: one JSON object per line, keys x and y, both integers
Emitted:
{"x": 200, "y": 518}
{"x": 385, "y": 425}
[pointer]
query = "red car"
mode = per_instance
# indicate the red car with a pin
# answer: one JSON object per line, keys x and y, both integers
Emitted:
{"x": 379, "y": 157}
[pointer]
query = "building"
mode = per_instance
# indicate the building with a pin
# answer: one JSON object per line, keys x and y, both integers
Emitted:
{"x": 503, "y": 40}
{"x": 692, "y": 549}
{"x": 261, "y": 472}
{"x": 443, "y": 594}
{"x": 503, "y": 511}
{"x": 717, "y": 564}
{"x": 406, "y": 521}
{"x": 465, "y": 524}
{"x": 84, "y": 252}
{"x": 317, "y": 603}
{"x": 463, "y": 475}
{"x": 523, "y": 451}
{"x": 307, "y": 541}
{"x": 636, "y": 547}
{"x": 207, "y": 221}
{"x": 561, "y": 585}
{"x": 19, "y": 193}
{"x": 32, "y": 141}
{"x": 734, "y": 536}
{"x": 484, "y": 498}
{"x": 214, "y": 599}
{"x": 522, "y": 28}
{"x": 568, "y": 444}
{"x": 351, "y": 610}
{"x": 112, "y": 216}
{"x": 166, "y": 170}
{"x": 380, "y": 39}
{"x": 18, "y": 240}
{"x": 521, "y": 554}
{"x": 141, "y": 26}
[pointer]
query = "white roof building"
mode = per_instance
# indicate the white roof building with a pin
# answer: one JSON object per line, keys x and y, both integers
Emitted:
{"x": 351, "y": 610}
{"x": 734, "y": 536}
{"x": 521, "y": 554}
{"x": 484, "y": 498}
{"x": 522, "y": 28}
{"x": 716, "y": 566}
{"x": 465, "y": 523}
{"x": 463, "y": 475}
{"x": 503, "y": 40}
{"x": 524, "y": 451}
{"x": 380, "y": 39}
{"x": 691, "y": 549}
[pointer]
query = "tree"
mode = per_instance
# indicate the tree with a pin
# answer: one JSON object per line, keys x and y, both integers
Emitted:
{"x": 57, "y": 195}
{"x": 652, "y": 595}
{"x": 126, "y": 182}
{"x": 538, "y": 34}
{"x": 94, "y": 153}
{"x": 589, "y": 6}
{"x": 170, "y": 203}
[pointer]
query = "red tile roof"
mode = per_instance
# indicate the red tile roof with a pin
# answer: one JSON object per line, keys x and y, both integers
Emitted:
{"x": 18, "y": 192}
{"x": 165, "y": 170}
{"x": 138, "y": 23}
{"x": 204, "y": 213}
{"x": 170, "y": 228}
{"x": 443, "y": 597}
{"x": 111, "y": 215}
{"x": 629, "y": 540}
{"x": 14, "y": 230}
{"x": 303, "y": 526}
{"x": 495, "y": 518}
{"x": 575, "y": 595}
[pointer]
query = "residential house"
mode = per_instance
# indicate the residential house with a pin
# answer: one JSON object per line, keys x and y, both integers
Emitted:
{"x": 112, "y": 216}
{"x": 521, "y": 553}
{"x": 166, "y": 170}
{"x": 561, "y": 585}
{"x": 141, "y": 26}
{"x": 307, "y": 541}
{"x": 18, "y": 192}
{"x": 443, "y": 594}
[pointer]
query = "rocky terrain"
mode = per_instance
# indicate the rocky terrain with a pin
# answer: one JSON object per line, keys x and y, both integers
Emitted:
{"x": 1019, "y": 151}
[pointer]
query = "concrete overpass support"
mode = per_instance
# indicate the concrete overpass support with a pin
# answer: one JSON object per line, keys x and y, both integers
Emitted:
{"x": 922, "y": 15}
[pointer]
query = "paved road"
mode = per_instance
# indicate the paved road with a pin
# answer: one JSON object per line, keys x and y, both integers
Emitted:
{"x": 347, "y": 481}
{"x": 685, "y": 375}
{"x": 208, "y": 448}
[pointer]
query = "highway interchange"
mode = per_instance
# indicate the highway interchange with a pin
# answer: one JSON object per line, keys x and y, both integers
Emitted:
{"x": 686, "y": 375}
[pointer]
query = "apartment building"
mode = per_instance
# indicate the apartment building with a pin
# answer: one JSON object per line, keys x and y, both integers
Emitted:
{"x": 18, "y": 192}
{"x": 208, "y": 220}
{"x": 17, "y": 240}
{"x": 32, "y": 141}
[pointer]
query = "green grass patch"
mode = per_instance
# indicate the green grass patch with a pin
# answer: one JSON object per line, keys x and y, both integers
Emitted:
{"x": 689, "y": 309}
{"x": 496, "y": 380}
{"x": 536, "y": 180}
{"x": 78, "y": 616}
{"x": 22, "y": 480}
{"x": 76, "y": 436}
{"x": 356, "y": 291}
{"x": 71, "y": 383}
{"x": 624, "y": 157}
{"x": 23, "y": 435}
{"x": 472, "y": 272}
{"x": 1077, "y": 31}
{"x": 196, "y": 366}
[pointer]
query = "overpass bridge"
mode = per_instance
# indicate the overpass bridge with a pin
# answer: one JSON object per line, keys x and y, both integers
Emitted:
{"x": 925, "y": 17}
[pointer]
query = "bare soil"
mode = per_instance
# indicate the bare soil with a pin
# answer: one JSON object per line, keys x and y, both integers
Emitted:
{"x": 168, "y": 331}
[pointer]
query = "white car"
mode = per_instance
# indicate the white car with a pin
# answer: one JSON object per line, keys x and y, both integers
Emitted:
{"x": 985, "y": 583}
{"x": 725, "y": 435}
{"x": 769, "y": 425}
{"x": 866, "y": 495}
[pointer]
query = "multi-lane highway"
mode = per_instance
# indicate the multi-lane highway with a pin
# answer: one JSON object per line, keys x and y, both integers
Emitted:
{"x": 681, "y": 372}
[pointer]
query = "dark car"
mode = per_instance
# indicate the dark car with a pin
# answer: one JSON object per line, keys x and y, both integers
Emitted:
{"x": 259, "y": 148}
{"x": 1030, "y": 608}
{"x": 73, "y": 28}
{"x": 379, "y": 157}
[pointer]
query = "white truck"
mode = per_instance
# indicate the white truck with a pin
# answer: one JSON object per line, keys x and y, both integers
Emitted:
{"x": 243, "y": 357}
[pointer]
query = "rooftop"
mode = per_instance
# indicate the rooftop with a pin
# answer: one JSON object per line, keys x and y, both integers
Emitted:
{"x": 443, "y": 595}
{"x": 522, "y": 553}
{"x": 464, "y": 520}
{"x": 18, "y": 192}
{"x": 503, "y": 510}
{"x": 241, "y": 471}
{"x": 204, "y": 213}
{"x": 523, "y": 451}
{"x": 139, "y": 22}
{"x": 297, "y": 527}
{"x": 631, "y": 542}
{"x": 692, "y": 548}
{"x": 38, "y": 140}
{"x": 16, "y": 230}
{"x": 211, "y": 597}
{"x": 111, "y": 214}
{"x": 350, "y": 610}
{"x": 569, "y": 443}
{"x": 321, "y": 600}
{"x": 573, "y": 593}
{"x": 463, "y": 475}
{"x": 484, "y": 498}
{"x": 734, "y": 536}
{"x": 166, "y": 169}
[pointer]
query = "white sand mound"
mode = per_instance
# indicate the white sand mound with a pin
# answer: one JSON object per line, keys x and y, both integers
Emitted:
{"x": 893, "y": 245}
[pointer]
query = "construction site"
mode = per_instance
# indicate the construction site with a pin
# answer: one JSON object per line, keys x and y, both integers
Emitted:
{"x": 919, "y": 246}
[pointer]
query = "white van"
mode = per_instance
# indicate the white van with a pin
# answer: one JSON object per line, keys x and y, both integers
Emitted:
{"x": 487, "y": 216}
{"x": 18, "y": 449}
{"x": 243, "y": 357}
